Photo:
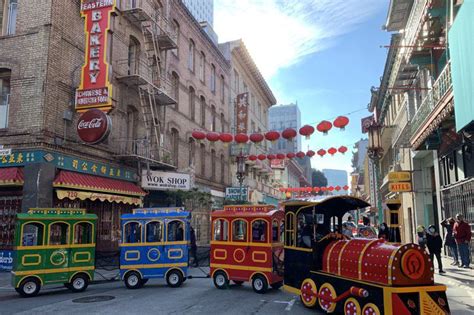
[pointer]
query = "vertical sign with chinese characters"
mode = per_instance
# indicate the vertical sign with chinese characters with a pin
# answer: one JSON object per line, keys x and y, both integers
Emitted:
{"x": 95, "y": 90}
{"x": 241, "y": 112}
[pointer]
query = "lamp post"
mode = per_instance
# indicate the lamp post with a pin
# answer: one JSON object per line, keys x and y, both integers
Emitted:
{"x": 375, "y": 153}
{"x": 240, "y": 172}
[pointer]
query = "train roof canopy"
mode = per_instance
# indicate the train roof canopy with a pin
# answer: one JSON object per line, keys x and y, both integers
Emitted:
{"x": 169, "y": 212}
{"x": 55, "y": 214}
{"x": 333, "y": 205}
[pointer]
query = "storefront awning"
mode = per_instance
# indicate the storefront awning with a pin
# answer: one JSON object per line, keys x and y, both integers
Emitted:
{"x": 83, "y": 195}
{"x": 11, "y": 176}
{"x": 66, "y": 179}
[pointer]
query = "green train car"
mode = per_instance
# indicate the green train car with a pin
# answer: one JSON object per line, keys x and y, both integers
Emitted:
{"x": 53, "y": 245}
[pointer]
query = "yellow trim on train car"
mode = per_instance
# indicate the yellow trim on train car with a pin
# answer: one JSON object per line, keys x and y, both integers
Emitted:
{"x": 290, "y": 289}
{"x": 362, "y": 254}
{"x": 220, "y": 250}
{"x": 78, "y": 272}
{"x": 328, "y": 259}
{"x": 259, "y": 260}
{"x": 74, "y": 231}
{"x": 132, "y": 259}
{"x": 390, "y": 263}
{"x": 68, "y": 235}
{"x": 241, "y": 267}
{"x": 246, "y": 244}
{"x": 172, "y": 250}
{"x": 153, "y": 266}
{"x": 223, "y": 270}
{"x": 75, "y": 260}
{"x": 339, "y": 257}
{"x": 23, "y": 278}
{"x": 243, "y": 253}
{"x": 214, "y": 220}
{"x": 63, "y": 259}
{"x": 56, "y": 270}
{"x": 29, "y": 222}
{"x": 259, "y": 273}
{"x": 299, "y": 248}
{"x": 153, "y": 244}
{"x": 31, "y": 264}
{"x": 155, "y": 250}
{"x": 91, "y": 245}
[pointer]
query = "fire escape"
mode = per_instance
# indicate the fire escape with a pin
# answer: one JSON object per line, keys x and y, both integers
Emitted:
{"x": 145, "y": 74}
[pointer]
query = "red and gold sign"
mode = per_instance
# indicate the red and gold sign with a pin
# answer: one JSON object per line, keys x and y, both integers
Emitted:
{"x": 95, "y": 90}
{"x": 94, "y": 126}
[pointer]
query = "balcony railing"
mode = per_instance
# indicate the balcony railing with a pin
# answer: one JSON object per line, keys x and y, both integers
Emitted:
{"x": 141, "y": 149}
{"x": 400, "y": 123}
{"x": 439, "y": 90}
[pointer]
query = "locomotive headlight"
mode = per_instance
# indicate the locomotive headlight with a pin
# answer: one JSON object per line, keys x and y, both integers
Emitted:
{"x": 413, "y": 264}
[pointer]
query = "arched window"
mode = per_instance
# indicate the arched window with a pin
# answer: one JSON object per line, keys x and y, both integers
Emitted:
{"x": 222, "y": 168}
{"x": 176, "y": 231}
{"x": 213, "y": 164}
{"x": 290, "y": 229}
{"x": 259, "y": 231}
{"x": 213, "y": 78}
{"x": 192, "y": 151}
{"x": 192, "y": 103}
{"x": 203, "y": 159}
{"x": 133, "y": 56}
{"x": 175, "y": 146}
{"x": 239, "y": 231}
{"x": 176, "y": 34}
{"x": 154, "y": 231}
{"x": 175, "y": 83}
{"x": 59, "y": 233}
{"x": 221, "y": 230}
{"x": 191, "y": 55}
{"x": 33, "y": 234}
{"x": 213, "y": 110}
{"x": 222, "y": 89}
{"x": 5, "y": 77}
{"x": 132, "y": 232}
{"x": 203, "y": 112}
{"x": 83, "y": 233}
{"x": 202, "y": 66}
{"x": 222, "y": 122}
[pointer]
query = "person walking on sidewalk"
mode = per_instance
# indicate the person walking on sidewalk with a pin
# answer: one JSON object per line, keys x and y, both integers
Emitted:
{"x": 193, "y": 247}
{"x": 462, "y": 234}
{"x": 434, "y": 244}
{"x": 449, "y": 241}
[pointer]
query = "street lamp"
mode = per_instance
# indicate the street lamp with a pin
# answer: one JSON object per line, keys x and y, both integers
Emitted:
{"x": 375, "y": 153}
{"x": 241, "y": 172}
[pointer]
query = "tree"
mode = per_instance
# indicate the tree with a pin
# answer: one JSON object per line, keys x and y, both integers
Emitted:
{"x": 318, "y": 179}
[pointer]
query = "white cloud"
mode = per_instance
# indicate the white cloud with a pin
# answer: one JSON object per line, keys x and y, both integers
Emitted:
{"x": 280, "y": 33}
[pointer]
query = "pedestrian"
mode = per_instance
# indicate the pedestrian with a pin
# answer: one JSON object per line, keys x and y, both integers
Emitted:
{"x": 421, "y": 232}
{"x": 384, "y": 232}
{"x": 434, "y": 244}
{"x": 193, "y": 247}
{"x": 346, "y": 230}
{"x": 462, "y": 235}
{"x": 449, "y": 240}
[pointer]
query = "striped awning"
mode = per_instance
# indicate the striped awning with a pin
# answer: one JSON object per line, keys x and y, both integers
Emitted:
{"x": 11, "y": 176}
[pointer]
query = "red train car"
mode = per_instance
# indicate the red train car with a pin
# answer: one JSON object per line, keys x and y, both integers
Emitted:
{"x": 247, "y": 245}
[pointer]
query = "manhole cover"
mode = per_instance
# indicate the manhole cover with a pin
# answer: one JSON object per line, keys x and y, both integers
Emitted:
{"x": 93, "y": 299}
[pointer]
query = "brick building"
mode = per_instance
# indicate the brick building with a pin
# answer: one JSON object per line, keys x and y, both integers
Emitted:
{"x": 150, "y": 48}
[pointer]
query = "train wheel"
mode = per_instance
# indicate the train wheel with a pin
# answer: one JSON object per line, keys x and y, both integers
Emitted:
{"x": 259, "y": 284}
{"x": 79, "y": 283}
{"x": 277, "y": 285}
{"x": 327, "y": 290}
{"x": 133, "y": 280}
{"x": 220, "y": 280}
{"x": 237, "y": 282}
{"x": 174, "y": 278}
{"x": 352, "y": 307}
{"x": 29, "y": 287}
{"x": 370, "y": 309}
{"x": 309, "y": 293}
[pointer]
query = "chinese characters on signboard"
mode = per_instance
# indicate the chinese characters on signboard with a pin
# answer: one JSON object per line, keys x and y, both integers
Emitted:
{"x": 95, "y": 90}
{"x": 241, "y": 112}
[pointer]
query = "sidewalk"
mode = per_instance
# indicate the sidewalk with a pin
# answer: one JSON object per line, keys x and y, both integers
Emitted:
{"x": 455, "y": 276}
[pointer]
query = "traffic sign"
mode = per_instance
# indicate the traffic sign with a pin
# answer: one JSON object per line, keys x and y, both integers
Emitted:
{"x": 399, "y": 187}
{"x": 399, "y": 176}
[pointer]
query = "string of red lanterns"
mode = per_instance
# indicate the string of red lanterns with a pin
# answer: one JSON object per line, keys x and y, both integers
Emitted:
{"x": 313, "y": 189}
{"x": 300, "y": 154}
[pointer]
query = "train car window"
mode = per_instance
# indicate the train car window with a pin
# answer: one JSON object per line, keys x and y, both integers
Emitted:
{"x": 221, "y": 230}
{"x": 133, "y": 232}
{"x": 304, "y": 230}
{"x": 275, "y": 231}
{"x": 282, "y": 231}
{"x": 290, "y": 228}
{"x": 58, "y": 233}
{"x": 83, "y": 233}
{"x": 175, "y": 231}
{"x": 154, "y": 231}
{"x": 239, "y": 231}
{"x": 259, "y": 231}
{"x": 32, "y": 234}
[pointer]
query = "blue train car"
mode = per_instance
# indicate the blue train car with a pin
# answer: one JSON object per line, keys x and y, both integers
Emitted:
{"x": 154, "y": 245}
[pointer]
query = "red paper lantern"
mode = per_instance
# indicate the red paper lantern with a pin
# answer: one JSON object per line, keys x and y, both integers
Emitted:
{"x": 300, "y": 155}
{"x": 321, "y": 152}
{"x": 256, "y": 137}
{"x": 341, "y": 122}
{"x": 324, "y": 127}
{"x": 309, "y": 189}
{"x": 271, "y": 156}
{"x": 241, "y": 138}
{"x": 330, "y": 188}
{"x": 272, "y": 136}
{"x": 261, "y": 157}
{"x": 337, "y": 188}
{"x": 282, "y": 189}
{"x": 212, "y": 136}
{"x": 226, "y": 137}
{"x": 289, "y": 133}
{"x": 290, "y": 155}
{"x": 198, "y": 135}
{"x": 306, "y": 131}
{"x": 280, "y": 156}
{"x": 332, "y": 151}
{"x": 252, "y": 157}
{"x": 345, "y": 187}
{"x": 342, "y": 149}
{"x": 324, "y": 188}
{"x": 316, "y": 189}
{"x": 310, "y": 153}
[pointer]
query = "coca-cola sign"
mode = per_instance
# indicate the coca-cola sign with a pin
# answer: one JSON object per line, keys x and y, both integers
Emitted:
{"x": 94, "y": 126}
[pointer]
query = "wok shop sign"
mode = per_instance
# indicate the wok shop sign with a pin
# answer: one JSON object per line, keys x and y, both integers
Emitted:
{"x": 157, "y": 180}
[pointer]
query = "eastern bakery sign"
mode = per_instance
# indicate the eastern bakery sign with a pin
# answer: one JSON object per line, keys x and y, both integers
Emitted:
{"x": 94, "y": 126}
{"x": 156, "y": 180}
{"x": 95, "y": 90}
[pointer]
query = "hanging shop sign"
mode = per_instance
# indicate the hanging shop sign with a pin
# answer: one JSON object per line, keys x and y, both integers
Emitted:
{"x": 399, "y": 176}
{"x": 241, "y": 108}
{"x": 237, "y": 193}
{"x": 277, "y": 164}
{"x": 366, "y": 122}
{"x": 94, "y": 126}
{"x": 157, "y": 180}
{"x": 95, "y": 90}
{"x": 399, "y": 187}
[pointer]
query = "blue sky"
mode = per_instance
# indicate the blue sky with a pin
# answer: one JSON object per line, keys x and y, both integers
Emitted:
{"x": 324, "y": 54}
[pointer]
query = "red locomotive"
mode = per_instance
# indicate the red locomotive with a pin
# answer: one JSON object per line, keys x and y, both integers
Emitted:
{"x": 247, "y": 245}
{"x": 354, "y": 276}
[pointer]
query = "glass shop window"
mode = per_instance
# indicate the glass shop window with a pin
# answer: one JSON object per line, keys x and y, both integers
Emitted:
{"x": 58, "y": 233}
{"x": 132, "y": 232}
{"x": 239, "y": 231}
{"x": 83, "y": 233}
{"x": 32, "y": 234}
{"x": 221, "y": 230}
{"x": 154, "y": 231}
{"x": 259, "y": 231}
{"x": 175, "y": 231}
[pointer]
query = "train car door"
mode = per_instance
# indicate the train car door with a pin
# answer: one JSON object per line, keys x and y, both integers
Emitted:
{"x": 176, "y": 244}
{"x": 58, "y": 252}
{"x": 154, "y": 249}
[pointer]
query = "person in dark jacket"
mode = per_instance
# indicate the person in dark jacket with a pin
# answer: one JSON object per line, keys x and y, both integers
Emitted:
{"x": 193, "y": 251}
{"x": 462, "y": 235}
{"x": 434, "y": 244}
{"x": 384, "y": 232}
{"x": 449, "y": 240}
